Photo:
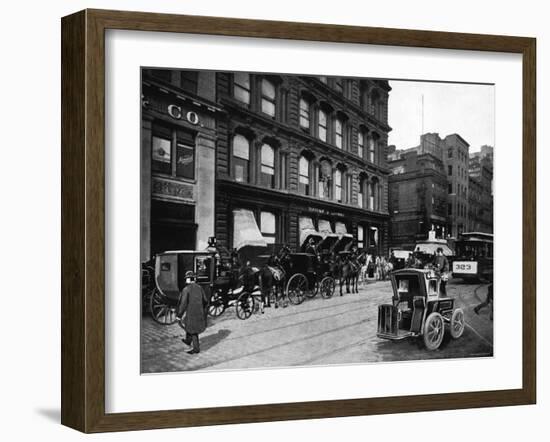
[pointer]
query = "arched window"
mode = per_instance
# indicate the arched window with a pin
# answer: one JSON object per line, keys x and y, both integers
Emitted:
{"x": 322, "y": 128}
{"x": 339, "y": 133}
{"x": 267, "y": 168}
{"x": 241, "y": 87}
{"x": 360, "y": 143}
{"x": 303, "y": 179}
{"x": 338, "y": 185}
{"x": 305, "y": 119}
{"x": 268, "y": 97}
{"x": 241, "y": 158}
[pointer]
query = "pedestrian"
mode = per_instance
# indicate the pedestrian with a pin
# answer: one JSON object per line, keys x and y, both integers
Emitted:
{"x": 194, "y": 303}
{"x": 410, "y": 263}
{"x": 488, "y": 302}
{"x": 378, "y": 267}
{"x": 441, "y": 264}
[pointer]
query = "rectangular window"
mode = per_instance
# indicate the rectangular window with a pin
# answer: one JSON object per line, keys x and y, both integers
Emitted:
{"x": 338, "y": 185}
{"x": 450, "y": 188}
{"x": 450, "y": 153}
{"x": 268, "y": 98}
{"x": 322, "y": 125}
{"x": 339, "y": 136}
{"x": 185, "y": 161}
{"x": 268, "y": 166}
{"x": 162, "y": 155}
{"x": 268, "y": 224}
{"x": 360, "y": 144}
{"x": 304, "y": 113}
{"x": 339, "y": 85}
{"x": 189, "y": 81}
{"x": 303, "y": 179}
{"x": 371, "y": 149}
{"x": 449, "y": 169}
{"x": 241, "y": 87}
{"x": 449, "y": 209}
{"x": 164, "y": 150}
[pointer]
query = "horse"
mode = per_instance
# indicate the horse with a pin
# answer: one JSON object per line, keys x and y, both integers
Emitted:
{"x": 272, "y": 279}
{"x": 348, "y": 273}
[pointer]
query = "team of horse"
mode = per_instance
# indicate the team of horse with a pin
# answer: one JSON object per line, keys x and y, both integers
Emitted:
{"x": 349, "y": 268}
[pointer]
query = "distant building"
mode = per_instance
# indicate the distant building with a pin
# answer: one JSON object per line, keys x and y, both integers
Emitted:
{"x": 418, "y": 198}
{"x": 456, "y": 159}
{"x": 480, "y": 215}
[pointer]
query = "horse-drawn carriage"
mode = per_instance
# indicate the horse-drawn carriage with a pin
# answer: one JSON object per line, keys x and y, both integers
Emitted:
{"x": 311, "y": 273}
{"x": 418, "y": 309}
{"x": 169, "y": 280}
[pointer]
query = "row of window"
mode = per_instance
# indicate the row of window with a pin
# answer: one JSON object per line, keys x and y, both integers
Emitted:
{"x": 461, "y": 172}
{"x": 460, "y": 208}
{"x": 319, "y": 121}
{"x": 173, "y": 152}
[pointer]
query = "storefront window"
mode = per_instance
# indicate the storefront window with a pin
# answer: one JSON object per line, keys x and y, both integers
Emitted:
{"x": 185, "y": 161}
{"x": 241, "y": 158}
{"x": 162, "y": 155}
{"x": 268, "y": 226}
{"x": 268, "y": 166}
{"x": 241, "y": 87}
{"x": 167, "y": 144}
{"x": 268, "y": 98}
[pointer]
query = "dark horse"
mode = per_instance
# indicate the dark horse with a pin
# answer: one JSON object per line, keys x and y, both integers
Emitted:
{"x": 347, "y": 270}
{"x": 272, "y": 278}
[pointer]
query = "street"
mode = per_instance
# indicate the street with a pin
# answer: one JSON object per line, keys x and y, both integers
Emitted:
{"x": 340, "y": 330}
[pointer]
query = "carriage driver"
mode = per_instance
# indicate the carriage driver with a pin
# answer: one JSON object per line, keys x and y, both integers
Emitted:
{"x": 194, "y": 302}
{"x": 311, "y": 247}
{"x": 441, "y": 265}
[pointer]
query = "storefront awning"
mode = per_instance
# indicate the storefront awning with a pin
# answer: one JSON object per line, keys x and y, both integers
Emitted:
{"x": 324, "y": 227}
{"x": 307, "y": 229}
{"x": 341, "y": 230}
{"x": 245, "y": 230}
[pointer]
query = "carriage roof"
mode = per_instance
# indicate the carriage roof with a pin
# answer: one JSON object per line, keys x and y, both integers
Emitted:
{"x": 343, "y": 244}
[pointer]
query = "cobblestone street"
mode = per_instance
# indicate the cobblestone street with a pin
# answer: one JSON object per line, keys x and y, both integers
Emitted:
{"x": 340, "y": 330}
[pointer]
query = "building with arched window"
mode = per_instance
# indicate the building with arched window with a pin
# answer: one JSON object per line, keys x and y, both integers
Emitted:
{"x": 301, "y": 153}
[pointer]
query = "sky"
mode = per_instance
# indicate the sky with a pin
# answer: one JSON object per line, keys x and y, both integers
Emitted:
{"x": 466, "y": 109}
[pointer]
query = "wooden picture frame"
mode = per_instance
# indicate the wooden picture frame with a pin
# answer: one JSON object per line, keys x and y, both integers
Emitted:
{"x": 83, "y": 220}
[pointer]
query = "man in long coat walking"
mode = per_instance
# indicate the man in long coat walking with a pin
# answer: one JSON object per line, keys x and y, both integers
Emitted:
{"x": 194, "y": 302}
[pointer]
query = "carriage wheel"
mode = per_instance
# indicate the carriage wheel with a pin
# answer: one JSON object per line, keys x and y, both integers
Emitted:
{"x": 457, "y": 323}
{"x": 161, "y": 311}
{"x": 434, "y": 329}
{"x": 216, "y": 306}
{"x": 297, "y": 288}
{"x": 244, "y": 306}
{"x": 327, "y": 287}
{"x": 315, "y": 289}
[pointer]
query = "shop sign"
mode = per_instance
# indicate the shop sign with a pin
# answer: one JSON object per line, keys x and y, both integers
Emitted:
{"x": 178, "y": 113}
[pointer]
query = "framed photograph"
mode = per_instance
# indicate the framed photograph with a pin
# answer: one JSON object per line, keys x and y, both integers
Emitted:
{"x": 266, "y": 221}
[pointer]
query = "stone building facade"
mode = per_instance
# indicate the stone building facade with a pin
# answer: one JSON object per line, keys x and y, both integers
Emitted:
{"x": 301, "y": 153}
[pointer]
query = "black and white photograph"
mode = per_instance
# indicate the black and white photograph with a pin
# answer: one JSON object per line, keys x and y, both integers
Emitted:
{"x": 298, "y": 220}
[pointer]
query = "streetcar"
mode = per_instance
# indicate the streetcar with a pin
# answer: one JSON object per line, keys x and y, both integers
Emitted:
{"x": 474, "y": 257}
{"x": 419, "y": 310}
